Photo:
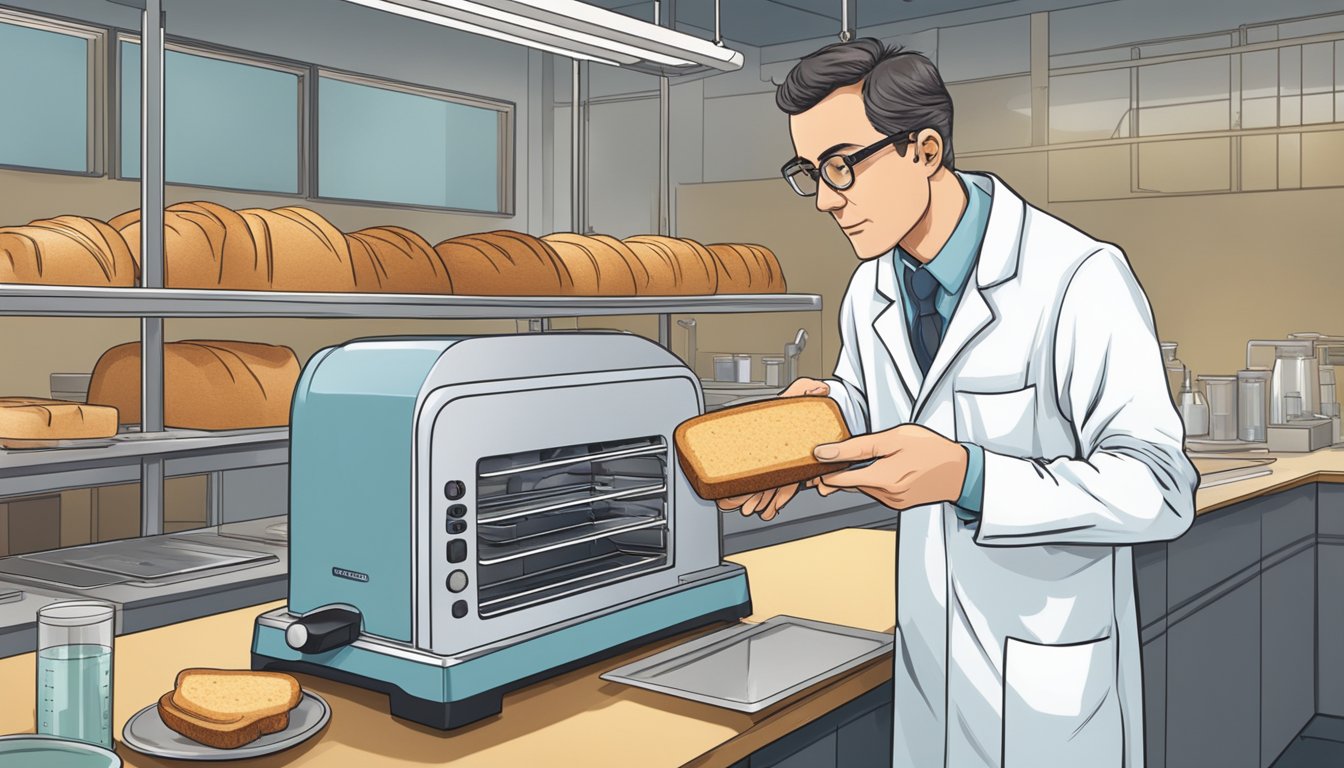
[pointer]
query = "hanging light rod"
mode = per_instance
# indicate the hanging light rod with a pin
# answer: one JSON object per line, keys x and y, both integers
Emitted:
{"x": 574, "y": 29}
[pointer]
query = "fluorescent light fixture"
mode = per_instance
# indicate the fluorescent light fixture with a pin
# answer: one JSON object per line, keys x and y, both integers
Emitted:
{"x": 411, "y": 13}
{"x": 574, "y": 29}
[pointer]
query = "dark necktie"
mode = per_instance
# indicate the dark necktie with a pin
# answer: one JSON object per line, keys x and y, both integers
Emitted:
{"x": 927, "y": 332}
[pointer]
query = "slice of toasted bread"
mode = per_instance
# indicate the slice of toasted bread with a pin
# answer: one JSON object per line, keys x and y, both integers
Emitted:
{"x": 225, "y": 708}
{"x": 757, "y": 446}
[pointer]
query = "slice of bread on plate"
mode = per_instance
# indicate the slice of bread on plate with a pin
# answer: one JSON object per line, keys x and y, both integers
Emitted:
{"x": 227, "y": 708}
{"x": 753, "y": 447}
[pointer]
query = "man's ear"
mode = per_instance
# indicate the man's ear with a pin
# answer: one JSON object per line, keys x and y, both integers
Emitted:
{"x": 929, "y": 150}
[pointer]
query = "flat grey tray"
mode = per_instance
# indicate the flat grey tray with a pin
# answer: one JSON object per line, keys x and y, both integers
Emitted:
{"x": 145, "y": 732}
{"x": 749, "y": 667}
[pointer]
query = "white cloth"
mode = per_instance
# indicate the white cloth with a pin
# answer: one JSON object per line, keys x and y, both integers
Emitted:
{"x": 1017, "y": 639}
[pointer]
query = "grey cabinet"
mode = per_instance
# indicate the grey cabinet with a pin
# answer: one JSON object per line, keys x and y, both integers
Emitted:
{"x": 857, "y": 735}
{"x": 1155, "y": 702}
{"x": 1288, "y": 648}
{"x": 1213, "y": 683}
{"x": 1330, "y": 600}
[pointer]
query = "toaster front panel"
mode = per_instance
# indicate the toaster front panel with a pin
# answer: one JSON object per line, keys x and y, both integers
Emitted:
{"x": 550, "y": 503}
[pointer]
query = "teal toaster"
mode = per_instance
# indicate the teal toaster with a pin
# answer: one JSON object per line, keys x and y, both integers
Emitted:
{"x": 472, "y": 514}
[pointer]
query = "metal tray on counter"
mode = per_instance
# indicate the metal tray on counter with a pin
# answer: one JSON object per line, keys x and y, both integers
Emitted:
{"x": 749, "y": 667}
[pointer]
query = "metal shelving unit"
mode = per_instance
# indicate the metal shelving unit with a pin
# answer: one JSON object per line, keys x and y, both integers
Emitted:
{"x": 158, "y": 451}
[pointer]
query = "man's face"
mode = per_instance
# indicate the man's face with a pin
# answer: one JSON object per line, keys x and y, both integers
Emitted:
{"x": 889, "y": 194}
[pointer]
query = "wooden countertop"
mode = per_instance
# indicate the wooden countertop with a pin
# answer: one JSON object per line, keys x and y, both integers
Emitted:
{"x": 1289, "y": 470}
{"x": 845, "y": 577}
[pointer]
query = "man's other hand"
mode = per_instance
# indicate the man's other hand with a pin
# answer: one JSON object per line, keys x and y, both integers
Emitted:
{"x": 768, "y": 503}
{"x": 910, "y": 465}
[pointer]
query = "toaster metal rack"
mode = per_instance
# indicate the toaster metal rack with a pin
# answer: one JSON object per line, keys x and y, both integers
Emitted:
{"x": 469, "y": 514}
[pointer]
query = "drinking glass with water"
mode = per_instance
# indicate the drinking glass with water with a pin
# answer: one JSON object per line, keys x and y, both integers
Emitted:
{"x": 74, "y": 671}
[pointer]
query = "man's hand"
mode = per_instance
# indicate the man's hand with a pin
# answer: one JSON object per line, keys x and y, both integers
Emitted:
{"x": 911, "y": 465}
{"x": 768, "y": 503}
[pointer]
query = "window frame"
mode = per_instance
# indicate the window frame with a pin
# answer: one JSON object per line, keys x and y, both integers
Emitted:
{"x": 301, "y": 71}
{"x": 508, "y": 126}
{"x": 95, "y": 146}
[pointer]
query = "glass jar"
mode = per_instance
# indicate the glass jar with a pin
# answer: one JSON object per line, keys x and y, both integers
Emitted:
{"x": 1175, "y": 369}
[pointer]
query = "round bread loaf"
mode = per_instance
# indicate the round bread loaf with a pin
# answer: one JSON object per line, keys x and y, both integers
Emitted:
{"x": 737, "y": 268}
{"x": 206, "y": 384}
{"x": 305, "y": 251}
{"x": 503, "y": 264}
{"x": 396, "y": 260}
{"x": 695, "y": 273}
{"x": 66, "y": 250}
{"x": 205, "y": 245}
{"x": 661, "y": 264}
{"x": 774, "y": 274}
{"x": 596, "y": 266}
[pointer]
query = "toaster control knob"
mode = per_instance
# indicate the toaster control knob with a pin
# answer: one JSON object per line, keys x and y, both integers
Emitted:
{"x": 457, "y": 510}
{"x": 323, "y": 630}
{"x": 457, "y": 581}
{"x": 459, "y": 609}
{"x": 454, "y": 489}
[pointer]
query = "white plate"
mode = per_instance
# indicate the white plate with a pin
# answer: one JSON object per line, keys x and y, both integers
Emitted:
{"x": 145, "y": 732}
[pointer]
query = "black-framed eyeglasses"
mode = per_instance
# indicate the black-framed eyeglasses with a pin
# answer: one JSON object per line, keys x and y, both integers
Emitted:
{"x": 836, "y": 170}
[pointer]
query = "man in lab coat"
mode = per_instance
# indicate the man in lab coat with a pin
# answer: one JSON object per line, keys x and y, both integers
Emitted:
{"x": 1000, "y": 372}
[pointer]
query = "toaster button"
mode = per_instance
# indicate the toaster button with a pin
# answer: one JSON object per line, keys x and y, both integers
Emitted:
{"x": 457, "y": 526}
{"x": 457, "y": 510}
{"x": 459, "y": 609}
{"x": 457, "y": 581}
{"x": 454, "y": 489}
{"x": 457, "y": 550}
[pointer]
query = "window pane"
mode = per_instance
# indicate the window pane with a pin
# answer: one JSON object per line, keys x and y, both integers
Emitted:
{"x": 1184, "y": 96}
{"x": 391, "y": 146}
{"x": 991, "y": 114}
{"x": 987, "y": 49}
{"x": 51, "y": 70}
{"x": 1323, "y": 159}
{"x": 1200, "y": 165}
{"x": 1088, "y": 106}
{"x": 226, "y": 124}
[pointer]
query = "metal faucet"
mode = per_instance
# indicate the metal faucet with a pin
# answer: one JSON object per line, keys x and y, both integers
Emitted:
{"x": 792, "y": 352}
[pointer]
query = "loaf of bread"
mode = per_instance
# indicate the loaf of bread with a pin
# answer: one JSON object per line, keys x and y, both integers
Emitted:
{"x": 757, "y": 446}
{"x": 598, "y": 266}
{"x": 206, "y": 384}
{"x": 396, "y": 260}
{"x": 205, "y": 245}
{"x": 744, "y": 268}
{"x": 36, "y": 418}
{"x": 504, "y": 263}
{"x": 304, "y": 250}
{"x": 676, "y": 266}
{"x": 225, "y": 709}
{"x": 66, "y": 250}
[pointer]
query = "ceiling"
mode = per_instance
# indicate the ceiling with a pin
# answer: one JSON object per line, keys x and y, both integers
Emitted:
{"x": 771, "y": 22}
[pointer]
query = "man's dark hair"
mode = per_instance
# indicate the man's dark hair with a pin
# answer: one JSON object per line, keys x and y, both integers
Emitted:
{"x": 902, "y": 90}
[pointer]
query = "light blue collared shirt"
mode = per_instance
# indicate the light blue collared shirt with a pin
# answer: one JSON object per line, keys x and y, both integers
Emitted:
{"x": 952, "y": 268}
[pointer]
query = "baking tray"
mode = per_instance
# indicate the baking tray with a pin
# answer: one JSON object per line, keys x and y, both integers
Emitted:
{"x": 749, "y": 667}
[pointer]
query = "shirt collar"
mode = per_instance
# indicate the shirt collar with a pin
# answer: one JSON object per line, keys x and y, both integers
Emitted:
{"x": 955, "y": 260}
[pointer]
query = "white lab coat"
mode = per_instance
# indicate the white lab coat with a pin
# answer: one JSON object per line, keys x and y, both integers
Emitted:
{"x": 1017, "y": 642}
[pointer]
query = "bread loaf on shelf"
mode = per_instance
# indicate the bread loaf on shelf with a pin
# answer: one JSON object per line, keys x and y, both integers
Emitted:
{"x": 757, "y": 446}
{"x": 396, "y": 260}
{"x": 504, "y": 263}
{"x": 66, "y": 250}
{"x": 206, "y": 384}
{"x": 205, "y": 245}
{"x": 746, "y": 269}
{"x": 304, "y": 250}
{"x": 599, "y": 266}
{"x": 37, "y": 418}
{"x": 676, "y": 266}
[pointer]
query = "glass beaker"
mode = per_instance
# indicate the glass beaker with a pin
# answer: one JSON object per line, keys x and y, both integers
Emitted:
{"x": 1221, "y": 394}
{"x": 774, "y": 371}
{"x": 1251, "y": 404}
{"x": 723, "y": 368}
{"x": 74, "y": 671}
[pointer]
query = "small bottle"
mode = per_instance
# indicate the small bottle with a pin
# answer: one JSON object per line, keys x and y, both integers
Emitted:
{"x": 1194, "y": 409}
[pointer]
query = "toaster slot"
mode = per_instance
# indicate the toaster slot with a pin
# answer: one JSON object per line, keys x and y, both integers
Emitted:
{"x": 552, "y": 523}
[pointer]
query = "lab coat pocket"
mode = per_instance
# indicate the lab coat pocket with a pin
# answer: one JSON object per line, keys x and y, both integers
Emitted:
{"x": 1004, "y": 422}
{"x": 1060, "y": 707}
